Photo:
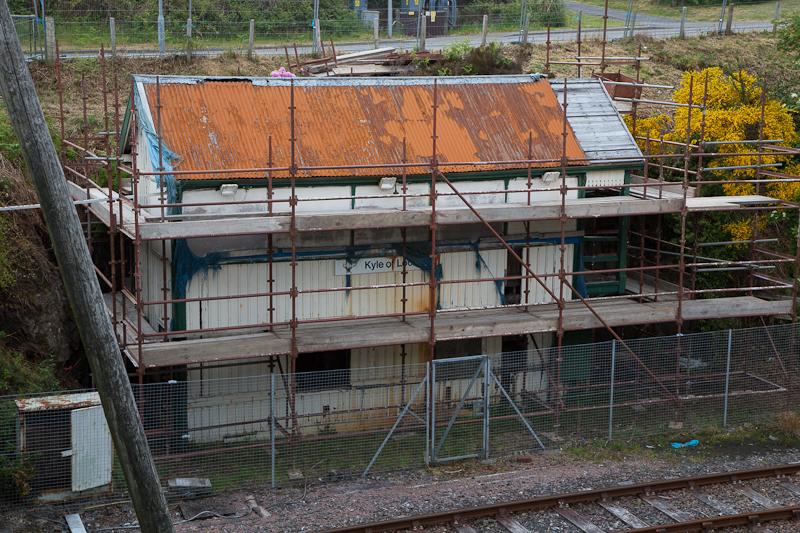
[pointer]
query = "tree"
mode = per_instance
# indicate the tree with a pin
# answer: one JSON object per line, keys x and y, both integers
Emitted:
{"x": 733, "y": 113}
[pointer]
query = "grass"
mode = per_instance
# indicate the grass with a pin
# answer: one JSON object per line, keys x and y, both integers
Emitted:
{"x": 91, "y": 34}
{"x": 761, "y": 11}
{"x": 779, "y": 432}
{"x": 74, "y": 35}
{"x": 346, "y": 456}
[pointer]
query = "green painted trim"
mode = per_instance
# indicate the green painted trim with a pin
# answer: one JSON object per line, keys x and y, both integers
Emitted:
{"x": 178, "y": 308}
{"x": 623, "y": 252}
{"x": 125, "y": 129}
{"x": 626, "y": 191}
{"x": 371, "y": 180}
{"x": 602, "y": 288}
{"x": 606, "y": 258}
{"x": 582, "y": 183}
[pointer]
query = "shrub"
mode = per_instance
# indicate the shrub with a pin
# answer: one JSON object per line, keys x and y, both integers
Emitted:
{"x": 789, "y": 37}
{"x": 542, "y": 12}
{"x": 15, "y": 477}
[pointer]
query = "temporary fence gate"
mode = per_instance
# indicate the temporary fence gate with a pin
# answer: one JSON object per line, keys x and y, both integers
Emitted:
{"x": 455, "y": 399}
{"x": 469, "y": 378}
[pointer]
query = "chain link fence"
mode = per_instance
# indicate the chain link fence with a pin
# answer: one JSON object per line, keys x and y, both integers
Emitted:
{"x": 277, "y": 429}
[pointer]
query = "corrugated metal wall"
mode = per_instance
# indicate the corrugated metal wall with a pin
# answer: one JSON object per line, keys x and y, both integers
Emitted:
{"x": 219, "y": 396}
{"x": 238, "y": 279}
{"x": 153, "y": 282}
{"x": 472, "y": 265}
{"x": 605, "y": 178}
{"x": 547, "y": 259}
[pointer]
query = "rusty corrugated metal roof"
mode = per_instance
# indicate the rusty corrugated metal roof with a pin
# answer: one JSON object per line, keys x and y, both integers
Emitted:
{"x": 74, "y": 400}
{"x": 219, "y": 123}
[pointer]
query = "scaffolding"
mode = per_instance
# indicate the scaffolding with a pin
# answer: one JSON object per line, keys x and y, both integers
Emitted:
{"x": 661, "y": 274}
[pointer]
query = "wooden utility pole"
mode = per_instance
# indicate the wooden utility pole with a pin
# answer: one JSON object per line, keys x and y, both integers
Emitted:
{"x": 80, "y": 282}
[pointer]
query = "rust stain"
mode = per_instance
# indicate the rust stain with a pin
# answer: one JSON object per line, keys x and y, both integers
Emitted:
{"x": 226, "y": 124}
{"x": 59, "y": 401}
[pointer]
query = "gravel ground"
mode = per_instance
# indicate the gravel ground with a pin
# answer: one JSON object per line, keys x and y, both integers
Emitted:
{"x": 381, "y": 497}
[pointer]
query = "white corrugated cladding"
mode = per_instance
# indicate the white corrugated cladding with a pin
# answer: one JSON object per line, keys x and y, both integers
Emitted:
{"x": 153, "y": 282}
{"x": 541, "y": 191}
{"x": 536, "y": 378}
{"x": 447, "y": 198}
{"x": 472, "y": 265}
{"x": 387, "y": 300}
{"x": 605, "y": 178}
{"x": 240, "y": 279}
{"x": 546, "y": 259}
{"x": 235, "y": 399}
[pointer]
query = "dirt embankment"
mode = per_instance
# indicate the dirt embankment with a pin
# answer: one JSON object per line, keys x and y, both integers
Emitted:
{"x": 37, "y": 337}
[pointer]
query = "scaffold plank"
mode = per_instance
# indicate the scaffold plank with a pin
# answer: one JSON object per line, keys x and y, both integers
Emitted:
{"x": 362, "y": 333}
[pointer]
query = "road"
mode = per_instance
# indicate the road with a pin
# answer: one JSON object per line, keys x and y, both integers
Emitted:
{"x": 653, "y": 26}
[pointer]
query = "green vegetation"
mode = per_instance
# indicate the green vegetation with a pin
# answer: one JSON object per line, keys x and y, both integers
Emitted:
{"x": 705, "y": 10}
{"x": 461, "y": 59}
{"x": 542, "y": 13}
{"x": 782, "y": 431}
{"x": 20, "y": 375}
{"x": 9, "y": 145}
{"x": 789, "y": 42}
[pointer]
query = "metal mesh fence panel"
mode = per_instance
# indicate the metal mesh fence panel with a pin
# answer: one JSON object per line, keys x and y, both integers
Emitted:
{"x": 278, "y": 429}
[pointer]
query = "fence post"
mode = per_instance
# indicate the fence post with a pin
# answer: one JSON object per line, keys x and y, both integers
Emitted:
{"x": 428, "y": 408}
{"x": 777, "y": 16}
{"x": 49, "y": 39}
{"x": 727, "y": 380}
{"x": 316, "y": 47}
{"x": 484, "y": 30}
{"x": 376, "y": 30}
{"x": 729, "y": 23}
{"x": 611, "y": 390}
{"x": 251, "y": 40}
{"x": 423, "y": 28}
{"x": 722, "y": 16}
{"x": 487, "y": 376}
{"x": 389, "y": 19}
{"x": 682, "y": 33}
{"x": 112, "y": 28}
{"x": 633, "y": 24}
{"x": 189, "y": 34}
{"x": 525, "y": 27}
{"x": 627, "y": 25}
{"x": 272, "y": 427}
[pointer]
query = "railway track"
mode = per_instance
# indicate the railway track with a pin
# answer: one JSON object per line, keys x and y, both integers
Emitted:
{"x": 745, "y": 499}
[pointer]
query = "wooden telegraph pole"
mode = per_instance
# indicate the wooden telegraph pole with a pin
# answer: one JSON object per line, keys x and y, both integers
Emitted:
{"x": 80, "y": 282}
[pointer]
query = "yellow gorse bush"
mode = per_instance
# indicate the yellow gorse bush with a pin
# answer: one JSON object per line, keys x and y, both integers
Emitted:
{"x": 733, "y": 113}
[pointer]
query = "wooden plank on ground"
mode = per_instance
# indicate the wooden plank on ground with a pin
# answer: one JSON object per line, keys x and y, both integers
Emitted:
{"x": 625, "y": 515}
{"x": 578, "y": 521}
{"x": 759, "y": 498}
{"x": 74, "y": 523}
{"x": 511, "y": 525}
{"x": 791, "y": 487}
{"x": 668, "y": 509}
{"x": 719, "y": 506}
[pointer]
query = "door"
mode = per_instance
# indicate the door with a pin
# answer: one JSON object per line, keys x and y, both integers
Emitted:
{"x": 459, "y": 427}
{"x": 91, "y": 449}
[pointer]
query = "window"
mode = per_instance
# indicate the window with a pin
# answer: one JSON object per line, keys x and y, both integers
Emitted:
{"x": 457, "y": 348}
{"x": 323, "y": 371}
